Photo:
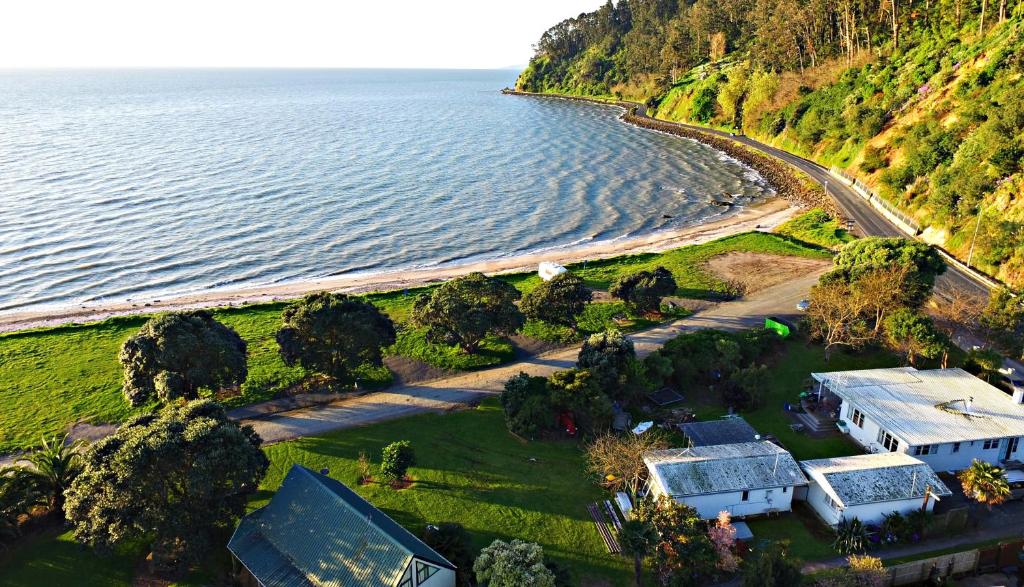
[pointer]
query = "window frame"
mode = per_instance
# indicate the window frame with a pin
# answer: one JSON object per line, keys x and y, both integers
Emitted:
{"x": 857, "y": 417}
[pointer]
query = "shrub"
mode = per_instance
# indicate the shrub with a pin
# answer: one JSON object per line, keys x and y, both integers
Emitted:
{"x": 874, "y": 159}
{"x": 606, "y": 355}
{"x": 642, "y": 291}
{"x": 558, "y": 301}
{"x": 527, "y": 405}
{"x": 395, "y": 460}
{"x": 512, "y": 564}
{"x": 851, "y": 536}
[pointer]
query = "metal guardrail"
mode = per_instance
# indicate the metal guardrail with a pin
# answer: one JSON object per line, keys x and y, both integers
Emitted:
{"x": 908, "y": 224}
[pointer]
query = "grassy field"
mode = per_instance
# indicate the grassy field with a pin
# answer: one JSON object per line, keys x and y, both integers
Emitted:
{"x": 469, "y": 470}
{"x": 816, "y": 227}
{"x": 51, "y": 378}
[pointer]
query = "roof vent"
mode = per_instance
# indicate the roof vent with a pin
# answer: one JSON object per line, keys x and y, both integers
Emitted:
{"x": 1018, "y": 394}
{"x": 969, "y": 404}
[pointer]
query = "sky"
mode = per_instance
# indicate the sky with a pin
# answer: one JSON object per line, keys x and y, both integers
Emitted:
{"x": 282, "y": 33}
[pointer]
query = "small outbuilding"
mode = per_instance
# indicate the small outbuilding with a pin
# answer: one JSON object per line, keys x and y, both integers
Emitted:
{"x": 548, "y": 270}
{"x": 317, "y": 531}
{"x": 730, "y": 430}
{"x": 868, "y": 487}
{"x": 744, "y": 479}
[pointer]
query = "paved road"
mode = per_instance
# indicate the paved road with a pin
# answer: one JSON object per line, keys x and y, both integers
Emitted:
{"x": 456, "y": 392}
{"x": 867, "y": 220}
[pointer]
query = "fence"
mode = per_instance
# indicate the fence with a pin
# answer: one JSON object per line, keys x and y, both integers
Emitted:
{"x": 906, "y": 223}
{"x": 985, "y": 559}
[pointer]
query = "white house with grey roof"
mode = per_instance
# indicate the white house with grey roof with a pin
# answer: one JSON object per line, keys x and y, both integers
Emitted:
{"x": 744, "y": 479}
{"x": 944, "y": 417}
{"x": 868, "y": 487}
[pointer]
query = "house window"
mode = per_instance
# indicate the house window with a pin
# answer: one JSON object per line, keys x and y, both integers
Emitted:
{"x": 785, "y": 489}
{"x": 956, "y": 447}
{"x": 424, "y": 572}
{"x": 1014, "y": 445}
{"x": 745, "y": 496}
{"x": 886, "y": 440}
{"x": 858, "y": 418}
{"x": 926, "y": 449}
{"x": 406, "y": 578}
{"x": 832, "y": 503}
{"x": 990, "y": 444}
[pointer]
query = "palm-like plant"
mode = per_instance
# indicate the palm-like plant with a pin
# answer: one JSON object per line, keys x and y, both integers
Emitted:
{"x": 985, "y": 483}
{"x": 19, "y": 493}
{"x": 851, "y": 536}
{"x": 56, "y": 465}
{"x": 638, "y": 539}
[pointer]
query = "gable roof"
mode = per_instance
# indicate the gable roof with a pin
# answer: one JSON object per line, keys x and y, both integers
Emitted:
{"x": 929, "y": 407}
{"x": 874, "y": 478}
{"x": 316, "y": 531}
{"x": 725, "y": 431}
{"x": 723, "y": 468}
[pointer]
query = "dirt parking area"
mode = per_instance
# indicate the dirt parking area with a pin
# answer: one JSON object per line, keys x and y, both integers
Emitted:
{"x": 757, "y": 271}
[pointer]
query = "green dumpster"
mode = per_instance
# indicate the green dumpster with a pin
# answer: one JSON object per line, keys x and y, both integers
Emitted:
{"x": 776, "y": 326}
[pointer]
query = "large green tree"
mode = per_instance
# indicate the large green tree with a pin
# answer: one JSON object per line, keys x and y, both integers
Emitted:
{"x": 169, "y": 479}
{"x": 176, "y": 355}
{"x": 512, "y": 564}
{"x": 558, "y": 301}
{"x": 864, "y": 256}
{"x": 526, "y": 400}
{"x": 642, "y": 291}
{"x": 465, "y": 310}
{"x": 914, "y": 334}
{"x": 607, "y": 356}
{"x": 578, "y": 392}
{"x": 334, "y": 334}
{"x": 684, "y": 554}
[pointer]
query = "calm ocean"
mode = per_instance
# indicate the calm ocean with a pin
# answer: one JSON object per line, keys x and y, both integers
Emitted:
{"x": 132, "y": 183}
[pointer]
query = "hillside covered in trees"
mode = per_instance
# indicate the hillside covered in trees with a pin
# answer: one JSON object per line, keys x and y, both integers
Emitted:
{"x": 921, "y": 99}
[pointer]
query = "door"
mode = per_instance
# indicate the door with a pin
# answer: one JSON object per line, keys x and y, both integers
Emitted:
{"x": 1011, "y": 446}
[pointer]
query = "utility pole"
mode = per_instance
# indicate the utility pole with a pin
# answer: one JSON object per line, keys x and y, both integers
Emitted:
{"x": 970, "y": 254}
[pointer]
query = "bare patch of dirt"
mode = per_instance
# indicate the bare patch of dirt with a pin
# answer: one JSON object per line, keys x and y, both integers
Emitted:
{"x": 757, "y": 271}
{"x": 408, "y": 370}
{"x": 529, "y": 347}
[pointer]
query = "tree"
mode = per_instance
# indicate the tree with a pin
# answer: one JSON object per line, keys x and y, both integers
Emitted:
{"x": 463, "y": 311}
{"x": 334, "y": 334}
{"x": 1003, "y": 321}
{"x": 618, "y": 461}
{"x": 922, "y": 262}
{"x": 175, "y": 355}
{"x": 836, "y": 316}
{"x": 453, "y": 542}
{"x": 396, "y": 459}
{"x": 861, "y": 571}
{"x": 19, "y": 494}
{"x": 558, "y": 301}
{"x": 746, "y": 387}
{"x": 985, "y": 483}
{"x": 577, "y": 391}
{"x": 527, "y": 404}
{"x": 684, "y": 554}
{"x": 638, "y": 539}
{"x": 914, "y": 334}
{"x": 772, "y": 567}
{"x": 607, "y": 355}
{"x": 723, "y": 536}
{"x": 512, "y": 564}
{"x": 642, "y": 291}
{"x": 55, "y": 465}
{"x": 169, "y": 478}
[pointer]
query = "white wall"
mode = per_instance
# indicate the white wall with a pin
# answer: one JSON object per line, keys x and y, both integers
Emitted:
{"x": 869, "y": 513}
{"x": 943, "y": 460}
{"x": 759, "y": 501}
{"x": 443, "y": 578}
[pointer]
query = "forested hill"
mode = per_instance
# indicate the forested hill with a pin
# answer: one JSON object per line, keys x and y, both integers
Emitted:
{"x": 922, "y": 99}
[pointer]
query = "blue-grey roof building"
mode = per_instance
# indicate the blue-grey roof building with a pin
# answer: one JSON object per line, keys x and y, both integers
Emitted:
{"x": 318, "y": 532}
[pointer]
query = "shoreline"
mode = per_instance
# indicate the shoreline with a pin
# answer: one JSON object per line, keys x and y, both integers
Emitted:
{"x": 760, "y": 216}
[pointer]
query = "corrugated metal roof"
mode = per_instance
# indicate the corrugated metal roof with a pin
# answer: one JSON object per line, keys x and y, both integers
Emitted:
{"x": 723, "y": 468}
{"x": 725, "y": 431}
{"x": 874, "y": 478}
{"x": 316, "y": 531}
{"x": 929, "y": 407}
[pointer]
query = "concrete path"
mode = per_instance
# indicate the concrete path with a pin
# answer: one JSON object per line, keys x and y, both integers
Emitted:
{"x": 456, "y": 392}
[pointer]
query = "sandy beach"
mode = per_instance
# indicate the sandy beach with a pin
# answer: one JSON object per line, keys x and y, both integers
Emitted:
{"x": 762, "y": 216}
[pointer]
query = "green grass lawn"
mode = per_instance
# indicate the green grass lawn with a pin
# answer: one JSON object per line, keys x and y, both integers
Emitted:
{"x": 51, "y": 378}
{"x": 816, "y": 227}
{"x": 469, "y": 470}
